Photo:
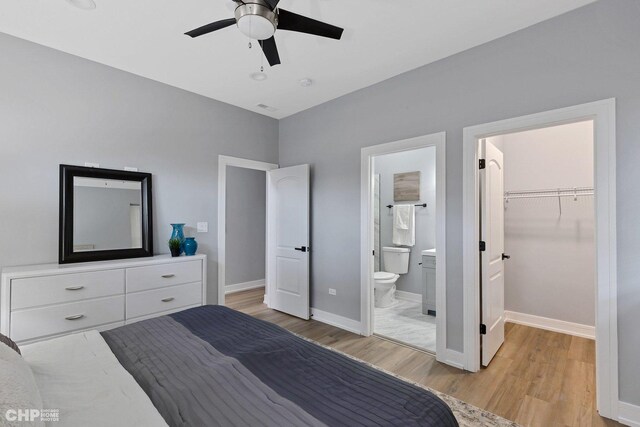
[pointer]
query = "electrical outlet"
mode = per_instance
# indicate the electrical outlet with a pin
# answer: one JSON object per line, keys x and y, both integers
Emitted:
{"x": 91, "y": 165}
{"x": 130, "y": 169}
{"x": 332, "y": 291}
{"x": 203, "y": 227}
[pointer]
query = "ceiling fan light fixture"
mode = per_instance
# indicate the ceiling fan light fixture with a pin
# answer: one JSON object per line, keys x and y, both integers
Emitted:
{"x": 256, "y": 22}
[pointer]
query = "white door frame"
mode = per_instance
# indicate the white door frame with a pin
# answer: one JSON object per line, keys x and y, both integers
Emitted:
{"x": 438, "y": 141}
{"x": 603, "y": 115}
{"x": 223, "y": 162}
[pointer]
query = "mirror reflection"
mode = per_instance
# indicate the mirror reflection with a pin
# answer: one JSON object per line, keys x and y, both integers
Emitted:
{"x": 107, "y": 214}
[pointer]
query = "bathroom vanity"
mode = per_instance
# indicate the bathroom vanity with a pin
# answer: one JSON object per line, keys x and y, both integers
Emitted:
{"x": 429, "y": 282}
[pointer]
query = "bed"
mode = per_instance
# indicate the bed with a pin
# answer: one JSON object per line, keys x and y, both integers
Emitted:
{"x": 211, "y": 366}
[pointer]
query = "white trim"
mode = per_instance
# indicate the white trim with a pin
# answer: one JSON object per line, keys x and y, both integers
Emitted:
{"x": 603, "y": 114}
{"x": 408, "y": 296}
{"x": 437, "y": 140}
{"x": 239, "y": 287}
{"x": 554, "y": 325}
{"x": 337, "y": 321}
{"x": 451, "y": 358}
{"x": 223, "y": 162}
{"x": 629, "y": 414}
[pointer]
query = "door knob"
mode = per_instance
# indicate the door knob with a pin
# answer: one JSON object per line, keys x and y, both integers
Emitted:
{"x": 504, "y": 256}
{"x": 301, "y": 249}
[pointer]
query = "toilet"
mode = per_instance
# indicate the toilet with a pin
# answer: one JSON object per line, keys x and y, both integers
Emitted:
{"x": 396, "y": 262}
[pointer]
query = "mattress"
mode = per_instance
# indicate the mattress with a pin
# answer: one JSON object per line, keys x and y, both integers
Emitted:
{"x": 79, "y": 376}
{"x": 213, "y": 366}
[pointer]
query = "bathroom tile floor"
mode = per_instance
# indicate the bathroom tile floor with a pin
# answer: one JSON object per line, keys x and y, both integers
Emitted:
{"x": 404, "y": 322}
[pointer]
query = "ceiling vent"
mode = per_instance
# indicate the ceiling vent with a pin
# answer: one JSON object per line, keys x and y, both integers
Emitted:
{"x": 266, "y": 107}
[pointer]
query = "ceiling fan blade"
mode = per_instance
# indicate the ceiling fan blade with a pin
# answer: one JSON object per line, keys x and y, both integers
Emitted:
{"x": 272, "y": 3}
{"x": 270, "y": 51}
{"x": 293, "y": 22}
{"x": 209, "y": 28}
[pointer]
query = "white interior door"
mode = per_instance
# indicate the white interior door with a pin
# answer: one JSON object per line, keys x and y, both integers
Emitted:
{"x": 492, "y": 260}
{"x": 288, "y": 240}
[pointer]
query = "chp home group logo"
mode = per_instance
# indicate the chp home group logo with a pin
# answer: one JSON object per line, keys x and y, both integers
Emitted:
{"x": 31, "y": 415}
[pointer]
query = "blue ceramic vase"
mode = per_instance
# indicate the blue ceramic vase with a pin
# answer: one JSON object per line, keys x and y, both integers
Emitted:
{"x": 178, "y": 233}
{"x": 190, "y": 246}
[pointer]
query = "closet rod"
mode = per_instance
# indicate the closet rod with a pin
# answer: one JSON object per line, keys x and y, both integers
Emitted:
{"x": 558, "y": 192}
{"x": 422, "y": 205}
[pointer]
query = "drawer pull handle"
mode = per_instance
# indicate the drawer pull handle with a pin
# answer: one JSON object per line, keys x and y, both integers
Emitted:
{"x": 168, "y": 299}
{"x": 168, "y": 276}
{"x": 74, "y": 288}
{"x": 75, "y": 317}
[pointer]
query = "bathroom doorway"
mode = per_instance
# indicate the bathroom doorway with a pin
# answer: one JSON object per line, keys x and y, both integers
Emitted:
{"x": 403, "y": 243}
{"x": 404, "y": 192}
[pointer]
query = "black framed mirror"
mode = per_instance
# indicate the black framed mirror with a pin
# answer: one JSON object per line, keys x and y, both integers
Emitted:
{"x": 105, "y": 214}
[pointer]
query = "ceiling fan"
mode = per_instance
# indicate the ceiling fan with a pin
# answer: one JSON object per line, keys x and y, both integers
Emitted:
{"x": 259, "y": 20}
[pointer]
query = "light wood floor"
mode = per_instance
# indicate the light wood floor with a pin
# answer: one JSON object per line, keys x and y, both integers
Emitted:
{"x": 538, "y": 378}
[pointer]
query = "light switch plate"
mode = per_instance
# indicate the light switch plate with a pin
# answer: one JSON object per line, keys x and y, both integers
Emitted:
{"x": 332, "y": 291}
{"x": 91, "y": 165}
{"x": 203, "y": 227}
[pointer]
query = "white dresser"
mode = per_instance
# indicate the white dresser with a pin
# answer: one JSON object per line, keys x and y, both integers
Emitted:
{"x": 43, "y": 301}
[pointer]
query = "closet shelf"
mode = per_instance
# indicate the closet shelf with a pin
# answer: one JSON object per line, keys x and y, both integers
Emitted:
{"x": 555, "y": 192}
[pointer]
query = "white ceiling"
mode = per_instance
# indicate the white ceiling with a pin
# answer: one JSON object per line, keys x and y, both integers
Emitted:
{"x": 381, "y": 39}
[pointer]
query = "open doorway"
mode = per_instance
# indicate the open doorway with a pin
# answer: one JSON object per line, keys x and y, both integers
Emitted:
{"x": 246, "y": 230}
{"x": 557, "y": 213}
{"x": 242, "y": 226}
{"x": 409, "y": 176}
{"x": 537, "y": 225}
{"x": 404, "y": 194}
{"x": 264, "y": 218}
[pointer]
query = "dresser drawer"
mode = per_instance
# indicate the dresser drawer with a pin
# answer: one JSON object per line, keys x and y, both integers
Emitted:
{"x": 159, "y": 276}
{"x": 164, "y": 299}
{"x": 57, "y": 319}
{"x": 65, "y": 288}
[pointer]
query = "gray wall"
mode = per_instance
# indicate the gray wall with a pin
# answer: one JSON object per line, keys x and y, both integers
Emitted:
{"x": 423, "y": 160}
{"x": 56, "y": 108}
{"x": 586, "y": 55}
{"x": 551, "y": 272}
{"x": 102, "y": 217}
{"x": 246, "y": 225}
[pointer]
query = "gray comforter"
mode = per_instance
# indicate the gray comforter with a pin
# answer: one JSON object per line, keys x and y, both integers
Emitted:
{"x": 212, "y": 366}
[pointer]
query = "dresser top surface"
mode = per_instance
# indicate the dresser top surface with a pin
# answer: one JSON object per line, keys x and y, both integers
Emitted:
{"x": 51, "y": 269}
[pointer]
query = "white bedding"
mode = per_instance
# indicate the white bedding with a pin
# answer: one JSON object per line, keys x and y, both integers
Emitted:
{"x": 79, "y": 375}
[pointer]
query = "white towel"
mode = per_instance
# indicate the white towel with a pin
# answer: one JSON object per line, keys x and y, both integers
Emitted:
{"x": 404, "y": 220}
{"x": 401, "y": 216}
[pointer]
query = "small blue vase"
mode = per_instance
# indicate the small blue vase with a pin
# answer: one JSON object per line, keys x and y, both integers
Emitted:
{"x": 178, "y": 233}
{"x": 190, "y": 246}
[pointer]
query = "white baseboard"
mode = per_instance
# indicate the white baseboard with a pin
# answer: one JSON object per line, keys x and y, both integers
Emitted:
{"x": 239, "y": 287}
{"x": 451, "y": 358}
{"x": 629, "y": 414}
{"x": 408, "y": 296}
{"x": 337, "y": 321}
{"x": 553, "y": 325}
